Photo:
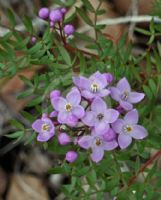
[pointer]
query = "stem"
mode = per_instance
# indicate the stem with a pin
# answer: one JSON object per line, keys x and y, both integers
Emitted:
{"x": 143, "y": 167}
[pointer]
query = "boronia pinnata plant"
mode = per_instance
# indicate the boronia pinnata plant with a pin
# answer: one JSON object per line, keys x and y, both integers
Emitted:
{"x": 99, "y": 127}
{"x": 97, "y": 107}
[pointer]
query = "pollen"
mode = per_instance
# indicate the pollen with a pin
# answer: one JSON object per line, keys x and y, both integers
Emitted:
{"x": 45, "y": 127}
{"x": 98, "y": 142}
{"x": 100, "y": 116}
{"x": 68, "y": 107}
{"x": 94, "y": 87}
{"x": 128, "y": 128}
{"x": 125, "y": 95}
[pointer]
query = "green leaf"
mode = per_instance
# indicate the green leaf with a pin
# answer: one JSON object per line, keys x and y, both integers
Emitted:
{"x": 17, "y": 124}
{"x": 84, "y": 16}
{"x": 88, "y": 5}
{"x": 57, "y": 170}
{"x": 17, "y": 134}
{"x": 65, "y": 55}
{"x": 148, "y": 33}
{"x": 28, "y": 24}
{"x": 147, "y": 92}
{"x": 11, "y": 18}
{"x": 153, "y": 86}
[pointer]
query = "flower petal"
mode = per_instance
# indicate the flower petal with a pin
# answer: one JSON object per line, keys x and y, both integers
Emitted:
{"x": 132, "y": 117}
{"x": 110, "y": 145}
{"x": 135, "y": 97}
{"x": 78, "y": 111}
{"x": 71, "y": 120}
{"x": 111, "y": 115}
{"x": 97, "y": 154}
{"x": 87, "y": 94}
{"x": 81, "y": 82}
{"x": 126, "y": 105}
{"x": 58, "y": 103}
{"x": 104, "y": 92}
{"x": 139, "y": 132}
{"x": 89, "y": 118}
{"x": 85, "y": 142}
{"x": 63, "y": 117}
{"x": 118, "y": 125}
{"x": 98, "y": 105}
{"x": 123, "y": 85}
{"x": 101, "y": 127}
{"x": 124, "y": 141}
{"x": 43, "y": 137}
{"x": 115, "y": 93}
{"x": 37, "y": 125}
{"x": 74, "y": 97}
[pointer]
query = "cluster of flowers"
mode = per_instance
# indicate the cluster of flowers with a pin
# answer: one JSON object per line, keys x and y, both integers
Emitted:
{"x": 100, "y": 128}
{"x": 56, "y": 16}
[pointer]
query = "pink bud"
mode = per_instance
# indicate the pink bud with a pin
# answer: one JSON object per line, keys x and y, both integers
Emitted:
{"x": 64, "y": 139}
{"x": 71, "y": 156}
{"x": 44, "y": 13}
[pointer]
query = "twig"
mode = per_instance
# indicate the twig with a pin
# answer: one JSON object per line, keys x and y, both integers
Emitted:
{"x": 134, "y": 8}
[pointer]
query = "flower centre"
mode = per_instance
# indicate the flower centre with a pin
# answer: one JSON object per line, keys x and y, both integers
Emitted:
{"x": 100, "y": 116}
{"x": 128, "y": 128}
{"x": 94, "y": 87}
{"x": 45, "y": 127}
{"x": 98, "y": 141}
{"x": 68, "y": 107}
{"x": 125, "y": 95}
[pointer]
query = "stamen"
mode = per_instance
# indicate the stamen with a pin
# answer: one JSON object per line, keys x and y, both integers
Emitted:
{"x": 98, "y": 141}
{"x": 94, "y": 87}
{"x": 68, "y": 107}
{"x": 100, "y": 116}
{"x": 128, "y": 128}
{"x": 45, "y": 127}
{"x": 125, "y": 95}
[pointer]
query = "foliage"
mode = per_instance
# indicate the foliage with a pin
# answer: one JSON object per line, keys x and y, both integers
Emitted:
{"x": 117, "y": 173}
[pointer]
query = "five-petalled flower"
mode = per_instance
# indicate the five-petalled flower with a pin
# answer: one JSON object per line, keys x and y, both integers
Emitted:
{"x": 123, "y": 94}
{"x": 45, "y": 128}
{"x": 128, "y": 128}
{"x": 96, "y": 142}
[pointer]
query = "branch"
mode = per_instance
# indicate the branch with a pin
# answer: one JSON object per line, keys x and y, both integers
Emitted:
{"x": 142, "y": 169}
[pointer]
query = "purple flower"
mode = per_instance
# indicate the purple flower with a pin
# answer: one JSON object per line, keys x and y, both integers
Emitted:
{"x": 56, "y": 15}
{"x": 109, "y": 77}
{"x": 64, "y": 138}
{"x": 69, "y": 109}
{"x": 33, "y": 40}
{"x": 63, "y": 10}
{"x": 44, "y": 13}
{"x": 122, "y": 93}
{"x": 45, "y": 128}
{"x": 71, "y": 156}
{"x": 127, "y": 129}
{"x": 92, "y": 87}
{"x": 96, "y": 142}
{"x": 69, "y": 29}
{"x": 99, "y": 117}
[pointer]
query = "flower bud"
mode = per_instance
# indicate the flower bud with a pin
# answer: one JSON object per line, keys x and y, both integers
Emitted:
{"x": 69, "y": 29}
{"x": 44, "y": 13}
{"x": 56, "y": 15}
{"x": 33, "y": 40}
{"x": 71, "y": 156}
{"x": 63, "y": 10}
{"x": 109, "y": 77}
{"x": 52, "y": 24}
{"x": 109, "y": 135}
{"x": 64, "y": 139}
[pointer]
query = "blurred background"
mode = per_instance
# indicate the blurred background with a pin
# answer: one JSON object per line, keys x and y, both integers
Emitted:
{"x": 23, "y": 168}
